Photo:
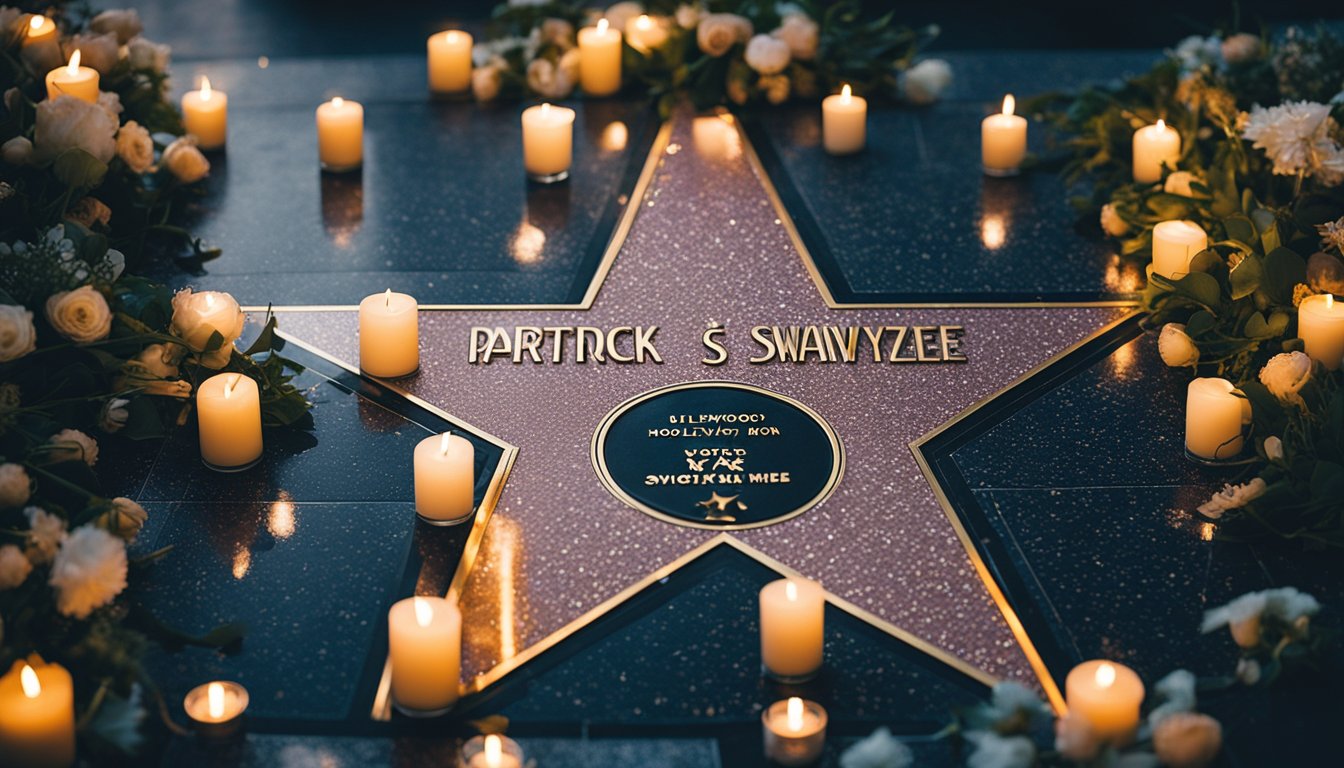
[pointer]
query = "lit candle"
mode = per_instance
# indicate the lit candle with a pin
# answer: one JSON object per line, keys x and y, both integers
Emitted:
{"x": 548, "y": 142}
{"x": 1003, "y": 141}
{"x": 1214, "y": 415}
{"x": 1107, "y": 697}
{"x": 340, "y": 135}
{"x": 228, "y": 412}
{"x": 844, "y": 122}
{"x": 37, "y": 715}
{"x": 1175, "y": 245}
{"x": 492, "y": 751}
{"x": 445, "y": 479}
{"x": 1320, "y": 326}
{"x": 600, "y": 59}
{"x": 41, "y": 44}
{"x": 424, "y": 636}
{"x": 795, "y": 731}
{"x": 73, "y": 80}
{"x": 206, "y": 115}
{"x": 450, "y": 62}
{"x": 389, "y": 334}
{"x": 216, "y": 708}
{"x": 1155, "y": 146}
{"x": 792, "y": 628}
{"x": 644, "y": 33}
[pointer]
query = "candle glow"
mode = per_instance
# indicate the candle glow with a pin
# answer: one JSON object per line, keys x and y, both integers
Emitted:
{"x": 1003, "y": 140}
{"x": 32, "y": 687}
{"x": 35, "y": 25}
{"x": 795, "y": 714}
{"x": 424, "y": 612}
{"x": 72, "y": 69}
{"x": 1009, "y": 103}
{"x": 215, "y": 701}
{"x": 494, "y": 751}
{"x": 844, "y": 122}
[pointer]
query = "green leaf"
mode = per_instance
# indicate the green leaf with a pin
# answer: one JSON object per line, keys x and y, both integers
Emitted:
{"x": 1240, "y": 228}
{"x": 1284, "y": 269}
{"x": 1246, "y": 277}
{"x": 1201, "y": 288}
{"x": 1200, "y": 323}
{"x": 76, "y": 168}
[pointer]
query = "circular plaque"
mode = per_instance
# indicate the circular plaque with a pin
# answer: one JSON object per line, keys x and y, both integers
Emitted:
{"x": 717, "y": 454}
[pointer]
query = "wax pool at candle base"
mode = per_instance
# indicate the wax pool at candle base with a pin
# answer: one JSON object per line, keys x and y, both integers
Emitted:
{"x": 1320, "y": 325}
{"x": 37, "y": 716}
{"x": 425, "y": 649}
{"x": 792, "y": 628}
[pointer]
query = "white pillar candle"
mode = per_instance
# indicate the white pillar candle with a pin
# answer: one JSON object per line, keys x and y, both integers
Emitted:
{"x": 548, "y": 142}
{"x": 1320, "y": 326}
{"x": 37, "y": 716}
{"x": 1155, "y": 146}
{"x": 228, "y": 412}
{"x": 1214, "y": 414}
{"x": 389, "y": 335}
{"x": 445, "y": 479}
{"x": 844, "y": 122}
{"x": 41, "y": 48}
{"x": 424, "y": 643}
{"x": 600, "y": 59}
{"x": 795, "y": 731}
{"x": 450, "y": 61}
{"x": 73, "y": 80}
{"x": 340, "y": 134}
{"x": 792, "y": 628}
{"x": 1003, "y": 140}
{"x": 492, "y": 751}
{"x": 1107, "y": 696}
{"x": 205, "y": 113}
{"x": 1175, "y": 244}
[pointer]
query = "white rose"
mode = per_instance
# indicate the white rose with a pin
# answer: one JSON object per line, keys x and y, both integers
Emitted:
{"x": 196, "y": 316}
{"x": 45, "y": 533}
{"x": 89, "y": 570}
{"x": 1111, "y": 223}
{"x": 96, "y": 51}
{"x": 18, "y": 337}
{"x": 15, "y": 487}
{"x": 153, "y": 372}
{"x": 135, "y": 147}
{"x": 114, "y": 415}
{"x": 1273, "y": 448}
{"x": 1285, "y": 374}
{"x": 17, "y": 150}
{"x": 776, "y": 88}
{"x": 73, "y": 445}
{"x": 925, "y": 82}
{"x": 147, "y": 54}
{"x": 994, "y": 751}
{"x": 81, "y": 315}
{"x": 800, "y": 33}
{"x": 719, "y": 32}
{"x": 124, "y": 23}
{"x": 124, "y": 520}
{"x": 879, "y": 750}
{"x": 767, "y": 55}
{"x": 185, "y": 161}
{"x": 111, "y": 104}
{"x": 1178, "y": 183}
{"x": 620, "y": 13}
{"x": 69, "y": 123}
{"x": 1176, "y": 347}
{"x": 1075, "y": 739}
{"x": 557, "y": 32}
{"x": 14, "y": 567}
{"x": 1241, "y": 48}
{"x": 1187, "y": 740}
{"x": 548, "y": 80}
{"x": 485, "y": 82}
{"x": 688, "y": 15}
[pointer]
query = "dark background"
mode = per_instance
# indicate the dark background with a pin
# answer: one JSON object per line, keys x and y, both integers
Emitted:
{"x": 286, "y": 28}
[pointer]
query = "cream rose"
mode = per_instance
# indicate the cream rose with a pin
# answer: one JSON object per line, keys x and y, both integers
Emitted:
{"x": 801, "y": 35}
{"x": 81, "y": 315}
{"x": 99, "y": 51}
{"x": 1176, "y": 347}
{"x": 17, "y": 151}
{"x": 485, "y": 82}
{"x": 18, "y": 337}
{"x": 197, "y": 316}
{"x": 688, "y": 15}
{"x": 719, "y": 32}
{"x": 124, "y": 520}
{"x": 1178, "y": 183}
{"x": 147, "y": 54}
{"x": 124, "y": 23}
{"x": 88, "y": 211}
{"x": 558, "y": 32}
{"x": 14, "y": 567}
{"x": 925, "y": 82}
{"x": 73, "y": 445}
{"x": 548, "y": 80}
{"x": 1241, "y": 48}
{"x": 67, "y": 123}
{"x": 15, "y": 486}
{"x": 767, "y": 55}
{"x": 1111, "y": 223}
{"x": 1187, "y": 740}
{"x": 185, "y": 161}
{"x": 1285, "y": 375}
{"x": 135, "y": 147}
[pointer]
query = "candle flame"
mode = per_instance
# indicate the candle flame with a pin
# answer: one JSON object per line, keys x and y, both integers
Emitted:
{"x": 424, "y": 611}
{"x": 387, "y": 298}
{"x": 1105, "y": 675}
{"x": 73, "y": 68}
{"x": 35, "y": 25}
{"x": 1161, "y": 125}
{"x": 791, "y": 591}
{"x": 206, "y": 93}
{"x": 32, "y": 687}
{"x": 494, "y": 751}
{"x": 602, "y": 25}
{"x": 845, "y": 93}
{"x": 214, "y": 695}
{"x": 443, "y": 444}
{"x": 1329, "y": 301}
{"x": 1009, "y": 104}
{"x": 338, "y": 102}
{"x": 451, "y": 35}
{"x": 230, "y": 384}
{"x": 644, "y": 22}
{"x": 795, "y": 714}
{"x": 546, "y": 108}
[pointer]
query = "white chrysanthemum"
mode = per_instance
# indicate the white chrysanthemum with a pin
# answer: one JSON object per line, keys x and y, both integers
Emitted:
{"x": 1177, "y": 691}
{"x": 89, "y": 570}
{"x": 879, "y": 750}
{"x": 1289, "y": 604}
{"x": 1013, "y": 702}
{"x": 15, "y": 485}
{"x": 45, "y": 533}
{"x": 1232, "y": 497}
{"x": 1296, "y": 137}
{"x": 73, "y": 445}
{"x": 1241, "y": 616}
{"x": 14, "y": 567}
{"x": 995, "y": 751}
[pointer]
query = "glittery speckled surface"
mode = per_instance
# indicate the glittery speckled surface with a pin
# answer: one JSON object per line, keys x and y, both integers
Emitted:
{"x": 705, "y": 248}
